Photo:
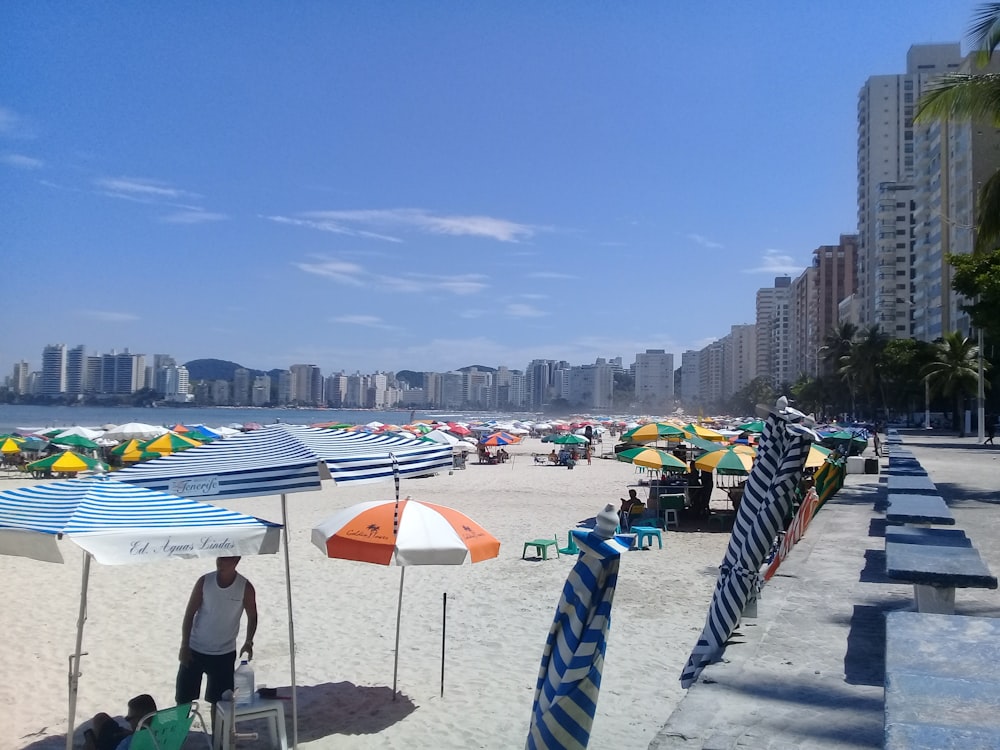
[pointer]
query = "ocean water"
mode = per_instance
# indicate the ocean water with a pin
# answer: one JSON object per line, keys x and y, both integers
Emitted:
{"x": 13, "y": 417}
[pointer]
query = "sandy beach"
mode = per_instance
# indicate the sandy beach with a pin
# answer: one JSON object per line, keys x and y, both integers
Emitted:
{"x": 499, "y": 613}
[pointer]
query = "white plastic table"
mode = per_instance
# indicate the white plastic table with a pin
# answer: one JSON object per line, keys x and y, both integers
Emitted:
{"x": 262, "y": 708}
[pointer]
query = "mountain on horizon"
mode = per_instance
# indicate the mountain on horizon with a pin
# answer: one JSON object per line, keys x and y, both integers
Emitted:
{"x": 218, "y": 369}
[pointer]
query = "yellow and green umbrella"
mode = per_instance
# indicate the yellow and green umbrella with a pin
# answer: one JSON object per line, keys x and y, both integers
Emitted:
{"x": 756, "y": 425}
{"x": 704, "y": 433}
{"x": 651, "y": 458}
{"x": 817, "y": 456}
{"x": 66, "y": 461}
{"x": 647, "y": 433}
{"x": 11, "y": 444}
{"x": 725, "y": 461}
{"x": 169, "y": 442}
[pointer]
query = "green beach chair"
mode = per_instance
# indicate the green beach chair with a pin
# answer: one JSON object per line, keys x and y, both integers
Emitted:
{"x": 168, "y": 729}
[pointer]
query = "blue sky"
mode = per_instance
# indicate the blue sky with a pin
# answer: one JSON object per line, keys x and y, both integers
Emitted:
{"x": 388, "y": 185}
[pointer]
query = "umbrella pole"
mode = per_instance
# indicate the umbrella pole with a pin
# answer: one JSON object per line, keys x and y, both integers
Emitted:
{"x": 74, "y": 660}
{"x": 444, "y": 624}
{"x": 399, "y": 612}
{"x": 291, "y": 627}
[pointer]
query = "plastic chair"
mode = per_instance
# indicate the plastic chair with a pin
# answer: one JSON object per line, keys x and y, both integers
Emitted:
{"x": 670, "y": 507}
{"x": 542, "y": 547}
{"x": 570, "y": 548}
{"x": 644, "y": 533}
{"x": 168, "y": 729}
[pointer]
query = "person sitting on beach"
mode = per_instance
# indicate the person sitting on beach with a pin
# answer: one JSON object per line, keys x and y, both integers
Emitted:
{"x": 503, "y": 455}
{"x": 107, "y": 734}
{"x": 553, "y": 457}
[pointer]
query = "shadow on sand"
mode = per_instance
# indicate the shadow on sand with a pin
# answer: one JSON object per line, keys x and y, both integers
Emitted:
{"x": 326, "y": 709}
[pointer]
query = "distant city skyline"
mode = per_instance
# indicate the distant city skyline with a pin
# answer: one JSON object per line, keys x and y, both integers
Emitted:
{"x": 394, "y": 186}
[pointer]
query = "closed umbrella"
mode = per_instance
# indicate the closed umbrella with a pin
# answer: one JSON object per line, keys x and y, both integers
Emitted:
{"x": 569, "y": 678}
{"x": 117, "y": 524}
{"x": 766, "y": 500}
{"x": 404, "y": 532}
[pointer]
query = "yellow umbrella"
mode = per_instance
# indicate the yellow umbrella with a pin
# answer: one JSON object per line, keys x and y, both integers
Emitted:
{"x": 169, "y": 442}
{"x": 66, "y": 462}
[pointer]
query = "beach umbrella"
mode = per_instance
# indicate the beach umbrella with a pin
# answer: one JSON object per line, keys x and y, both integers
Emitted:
{"x": 282, "y": 459}
{"x": 75, "y": 441}
{"x": 136, "y": 430}
{"x": 567, "y": 439}
{"x": 767, "y": 498}
{"x": 653, "y": 431}
{"x": 756, "y": 425}
{"x": 129, "y": 446}
{"x": 725, "y": 461}
{"x": 67, "y": 461}
{"x": 817, "y": 456}
{"x": 404, "y": 532}
{"x": 82, "y": 432}
{"x": 704, "y": 433}
{"x": 118, "y": 524}
{"x": 11, "y": 445}
{"x": 569, "y": 678}
{"x": 170, "y": 442}
{"x": 439, "y": 436}
{"x": 500, "y": 438}
{"x": 651, "y": 458}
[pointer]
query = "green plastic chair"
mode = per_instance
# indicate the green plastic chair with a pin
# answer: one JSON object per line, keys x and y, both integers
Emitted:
{"x": 541, "y": 547}
{"x": 168, "y": 729}
{"x": 570, "y": 548}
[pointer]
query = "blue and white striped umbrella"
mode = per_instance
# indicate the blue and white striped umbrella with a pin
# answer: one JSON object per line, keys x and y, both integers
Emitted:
{"x": 569, "y": 679}
{"x": 118, "y": 524}
{"x": 767, "y": 498}
{"x": 282, "y": 459}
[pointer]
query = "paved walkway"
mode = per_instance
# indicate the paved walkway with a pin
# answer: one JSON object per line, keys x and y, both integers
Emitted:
{"x": 808, "y": 671}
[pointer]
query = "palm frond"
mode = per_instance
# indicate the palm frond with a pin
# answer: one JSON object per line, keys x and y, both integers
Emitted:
{"x": 988, "y": 215}
{"x": 984, "y": 33}
{"x": 961, "y": 96}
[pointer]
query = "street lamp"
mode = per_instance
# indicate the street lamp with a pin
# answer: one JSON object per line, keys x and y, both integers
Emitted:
{"x": 981, "y": 396}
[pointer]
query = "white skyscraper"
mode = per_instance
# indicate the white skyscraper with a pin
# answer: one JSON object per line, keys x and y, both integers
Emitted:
{"x": 888, "y": 181}
{"x": 654, "y": 378}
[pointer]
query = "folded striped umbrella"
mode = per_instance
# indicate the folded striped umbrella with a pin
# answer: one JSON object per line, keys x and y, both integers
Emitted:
{"x": 569, "y": 679}
{"x": 766, "y": 500}
{"x": 796, "y": 529}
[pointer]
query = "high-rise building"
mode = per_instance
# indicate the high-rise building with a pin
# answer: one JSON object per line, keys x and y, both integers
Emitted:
{"x": 654, "y": 378}
{"x": 241, "y": 387}
{"x": 76, "y": 371}
{"x": 887, "y": 174}
{"x": 772, "y": 330}
{"x": 19, "y": 380}
{"x": 122, "y": 373}
{"x": 690, "y": 379}
{"x": 176, "y": 384}
{"x": 260, "y": 394}
{"x": 336, "y": 390}
{"x": 739, "y": 365}
{"x": 954, "y": 161}
{"x": 803, "y": 332}
{"x": 835, "y": 279}
{"x": 710, "y": 364}
{"x": 306, "y": 385}
{"x": 53, "y": 378}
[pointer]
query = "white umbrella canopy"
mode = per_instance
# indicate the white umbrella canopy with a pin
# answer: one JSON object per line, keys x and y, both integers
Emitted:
{"x": 118, "y": 524}
{"x": 81, "y": 432}
{"x": 136, "y": 431}
{"x": 439, "y": 436}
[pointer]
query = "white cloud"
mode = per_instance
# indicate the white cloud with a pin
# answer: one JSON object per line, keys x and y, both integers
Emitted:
{"x": 13, "y": 125}
{"x": 776, "y": 262}
{"x": 192, "y": 217}
{"x": 409, "y": 283}
{"x": 371, "y": 222}
{"x": 108, "y": 316}
{"x": 338, "y": 270}
{"x": 20, "y": 161}
{"x": 141, "y": 188}
{"x": 703, "y": 241}
{"x": 331, "y": 226}
{"x": 521, "y": 310}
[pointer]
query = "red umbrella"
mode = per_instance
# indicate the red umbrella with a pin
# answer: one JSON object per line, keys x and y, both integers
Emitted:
{"x": 458, "y": 429}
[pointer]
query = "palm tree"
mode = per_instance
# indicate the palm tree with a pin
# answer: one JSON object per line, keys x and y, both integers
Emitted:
{"x": 975, "y": 96}
{"x": 837, "y": 345}
{"x": 861, "y": 367}
{"x": 954, "y": 371}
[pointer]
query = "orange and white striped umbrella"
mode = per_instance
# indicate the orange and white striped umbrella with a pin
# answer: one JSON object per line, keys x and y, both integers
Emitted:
{"x": 425, "y": 534}
{"x": 409, "y": 533}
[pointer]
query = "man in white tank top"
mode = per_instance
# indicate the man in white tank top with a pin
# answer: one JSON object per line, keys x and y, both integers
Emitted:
{"x": 210, "y": 629}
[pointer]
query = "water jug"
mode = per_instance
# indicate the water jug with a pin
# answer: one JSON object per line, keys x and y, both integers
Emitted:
{"x": 243, "y": 684}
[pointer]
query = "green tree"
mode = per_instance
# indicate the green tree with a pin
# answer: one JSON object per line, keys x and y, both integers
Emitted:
{"x": 977, "y": 277}
{"x": 901, "y": 384}
{"x": 860, "y": 368}
{"x": 745, "y": 400}
{"x": 973, "y": 96}
{"x": 954, "y": 372}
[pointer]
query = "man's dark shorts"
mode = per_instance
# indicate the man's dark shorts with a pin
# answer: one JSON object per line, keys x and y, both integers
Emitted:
{"x": 220, "y": 670}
